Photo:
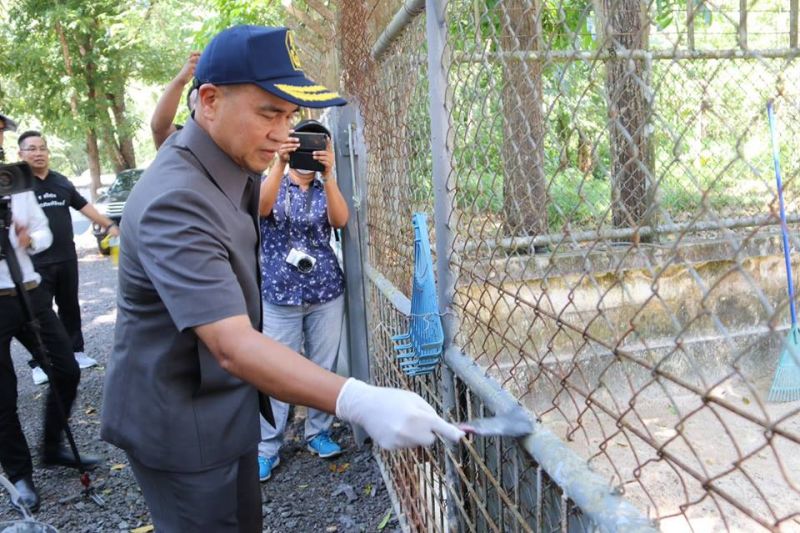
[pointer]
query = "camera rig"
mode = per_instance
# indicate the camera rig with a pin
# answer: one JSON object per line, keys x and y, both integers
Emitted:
{"x": 14, "y": 179}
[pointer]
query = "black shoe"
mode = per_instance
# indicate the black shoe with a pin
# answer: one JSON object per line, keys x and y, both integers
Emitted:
{"x": 28, "y": 494}
{"x": 64, "y": 457}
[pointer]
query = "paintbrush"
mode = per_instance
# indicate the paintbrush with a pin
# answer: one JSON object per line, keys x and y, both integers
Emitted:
{"x": 513, "y": 423}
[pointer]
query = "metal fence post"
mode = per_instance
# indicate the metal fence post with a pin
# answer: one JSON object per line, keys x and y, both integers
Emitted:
{"x": 442, "y": 159}
{"x": 350, "y": 161}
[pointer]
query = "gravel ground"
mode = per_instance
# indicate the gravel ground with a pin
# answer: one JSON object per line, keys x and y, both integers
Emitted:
{"x": 304, "y": 494}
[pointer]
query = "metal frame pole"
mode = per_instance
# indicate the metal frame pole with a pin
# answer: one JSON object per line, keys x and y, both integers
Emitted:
{"x": 442, "y": 159}
{"x": 350, "y": 155}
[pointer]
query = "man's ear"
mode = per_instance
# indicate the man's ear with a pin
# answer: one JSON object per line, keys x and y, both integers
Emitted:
{"x": 208, "y": 100}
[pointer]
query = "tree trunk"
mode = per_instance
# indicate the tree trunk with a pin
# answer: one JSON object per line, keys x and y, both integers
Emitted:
{"x": 524, "y": 187}
{"x": 624, "y": 28}
{"x": 92, "y": 149}
{"x": 112, "y": 149}
{"x": 93, "y": 153}
{"x": 124, "y": 146}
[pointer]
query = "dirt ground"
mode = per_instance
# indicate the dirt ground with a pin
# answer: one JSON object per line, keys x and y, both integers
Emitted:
{"x": 738, "y": 459}
{"x": 304, "y": 494}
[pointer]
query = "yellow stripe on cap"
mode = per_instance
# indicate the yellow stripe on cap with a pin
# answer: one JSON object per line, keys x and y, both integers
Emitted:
{"x": 309, "y": 93}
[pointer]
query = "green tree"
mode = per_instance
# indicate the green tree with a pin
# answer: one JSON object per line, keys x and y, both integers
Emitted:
{"x": 70, "y": 63}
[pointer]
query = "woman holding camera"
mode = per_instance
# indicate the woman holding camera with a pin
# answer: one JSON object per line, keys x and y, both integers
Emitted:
{"x": 302, "y": 283}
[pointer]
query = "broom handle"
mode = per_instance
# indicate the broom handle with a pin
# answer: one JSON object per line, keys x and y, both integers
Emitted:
{"x": 784, "y": 229}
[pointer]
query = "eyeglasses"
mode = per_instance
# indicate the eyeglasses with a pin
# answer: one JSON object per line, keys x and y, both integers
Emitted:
{"x": 33, "y": 149}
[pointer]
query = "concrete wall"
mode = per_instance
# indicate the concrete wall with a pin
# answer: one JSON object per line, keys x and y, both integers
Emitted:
{"x": 701, "y": 311}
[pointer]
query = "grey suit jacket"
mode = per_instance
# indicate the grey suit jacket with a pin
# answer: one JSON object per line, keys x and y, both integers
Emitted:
{"x": 188, "y": 257}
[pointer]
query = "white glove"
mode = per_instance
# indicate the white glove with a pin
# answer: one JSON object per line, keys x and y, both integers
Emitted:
{"x": 394, "y": 418}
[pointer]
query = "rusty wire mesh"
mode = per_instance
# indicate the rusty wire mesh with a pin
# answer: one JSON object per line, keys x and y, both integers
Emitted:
{"x": 616, "y": 249}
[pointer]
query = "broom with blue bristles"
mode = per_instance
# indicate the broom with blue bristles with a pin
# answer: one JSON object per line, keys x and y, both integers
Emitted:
{"x": 786, "y": 383}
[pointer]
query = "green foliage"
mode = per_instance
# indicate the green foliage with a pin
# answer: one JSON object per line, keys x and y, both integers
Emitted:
{"x": 577, "y": 200}
{"x": 113, "y": 50}
{"x": 666, "y": 9}
{"x": 564, "y": 24}
{"x": 227, "y": 13}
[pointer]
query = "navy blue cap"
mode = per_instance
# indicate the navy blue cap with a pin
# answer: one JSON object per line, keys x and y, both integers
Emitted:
{"x": 266, "y": 57}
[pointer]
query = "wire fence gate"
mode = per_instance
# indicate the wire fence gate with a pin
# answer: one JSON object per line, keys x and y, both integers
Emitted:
{"x": 606, "y": 241}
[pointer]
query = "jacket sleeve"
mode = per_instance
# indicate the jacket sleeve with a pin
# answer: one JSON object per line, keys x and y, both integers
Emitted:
{"x": 38, "y": 226}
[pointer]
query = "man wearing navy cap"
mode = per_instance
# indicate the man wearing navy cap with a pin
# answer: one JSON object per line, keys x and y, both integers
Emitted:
{"x": 181, "y": 392}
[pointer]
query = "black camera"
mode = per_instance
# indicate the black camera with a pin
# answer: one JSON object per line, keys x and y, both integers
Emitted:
{"x": 15, "y": 178}
{"x": 303, "y": 157}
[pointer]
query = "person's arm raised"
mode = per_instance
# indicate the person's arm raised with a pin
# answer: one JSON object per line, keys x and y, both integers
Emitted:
{"x": 161, "y": 123}
{"x": 272, "y": 183}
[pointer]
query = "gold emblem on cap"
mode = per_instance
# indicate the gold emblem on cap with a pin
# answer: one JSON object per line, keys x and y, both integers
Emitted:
{"x": 291, "y": 49}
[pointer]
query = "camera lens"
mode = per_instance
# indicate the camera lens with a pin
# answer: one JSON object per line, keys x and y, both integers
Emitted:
{"x": 305, "y": 265}
{"x": 6, "y": 182}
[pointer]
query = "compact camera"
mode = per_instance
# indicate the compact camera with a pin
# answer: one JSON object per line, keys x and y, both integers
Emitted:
{"x": 15, "y": 178}
{"x": 303, "y": 157}
{"x": 301, "y": 260}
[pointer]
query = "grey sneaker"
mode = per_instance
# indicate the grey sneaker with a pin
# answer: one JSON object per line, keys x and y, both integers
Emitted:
{"x": 39, "y": 377}
{"x": 84, "y": 361}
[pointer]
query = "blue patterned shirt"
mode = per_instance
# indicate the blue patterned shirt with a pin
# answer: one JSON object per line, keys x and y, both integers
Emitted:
{"x": 306, "y": 228}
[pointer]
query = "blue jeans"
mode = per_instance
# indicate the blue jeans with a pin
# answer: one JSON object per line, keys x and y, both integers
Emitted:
{"x": 320, "y": 326}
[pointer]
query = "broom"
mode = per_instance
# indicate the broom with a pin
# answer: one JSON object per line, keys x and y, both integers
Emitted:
{"x": 786, "y": 383}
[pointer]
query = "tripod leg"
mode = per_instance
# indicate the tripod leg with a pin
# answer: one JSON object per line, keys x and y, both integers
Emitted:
{"x": 39, "y": 349}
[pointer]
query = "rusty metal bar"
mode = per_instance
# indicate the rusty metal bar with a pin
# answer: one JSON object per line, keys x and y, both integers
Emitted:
{"x": 690, "y": 24}
{"x": 307, "y": 21}
{"x": 321, "y": 9}
{"x": 605, "y": 55}
{"x": 793, "y": 14}
{"x": 519, "y": 243}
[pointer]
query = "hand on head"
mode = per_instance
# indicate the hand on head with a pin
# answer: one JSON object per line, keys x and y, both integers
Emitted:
{"x": 187, "y": 71}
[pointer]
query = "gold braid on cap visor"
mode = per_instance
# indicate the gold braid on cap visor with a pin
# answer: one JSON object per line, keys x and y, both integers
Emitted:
{"x": 311, "y": 93}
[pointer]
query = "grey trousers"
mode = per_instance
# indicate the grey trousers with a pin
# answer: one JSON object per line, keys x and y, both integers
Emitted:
{"x": 321, "y": 327}
{"x": 226, "y": 499}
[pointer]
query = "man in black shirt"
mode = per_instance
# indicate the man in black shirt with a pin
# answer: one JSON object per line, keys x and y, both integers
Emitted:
{"x": 58, "y": 265}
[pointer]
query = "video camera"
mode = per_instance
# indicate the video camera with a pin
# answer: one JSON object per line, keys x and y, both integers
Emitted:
{"x": 15, "y": 178}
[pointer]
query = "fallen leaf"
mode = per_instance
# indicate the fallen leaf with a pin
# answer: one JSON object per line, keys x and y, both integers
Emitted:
{"x": 331, "y": 529}
{"x": 746, "y": 400}
{"x": 303, "y": 486}
{"x": 367, "y": 489}
{"x": 339, "y": 469}
{"x": 383, "y": 523}
{"x": 143, "y": 529}
{"x": 90, "y": 411}
{"x": 118, "y": 466}
{"x": 622, "y": 444}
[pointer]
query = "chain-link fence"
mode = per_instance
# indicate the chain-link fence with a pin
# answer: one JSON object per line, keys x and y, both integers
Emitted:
{"x": 608, "y": 250}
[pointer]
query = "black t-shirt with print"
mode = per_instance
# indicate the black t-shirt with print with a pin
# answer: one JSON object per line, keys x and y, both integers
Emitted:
{"x": 56, "y": 194}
